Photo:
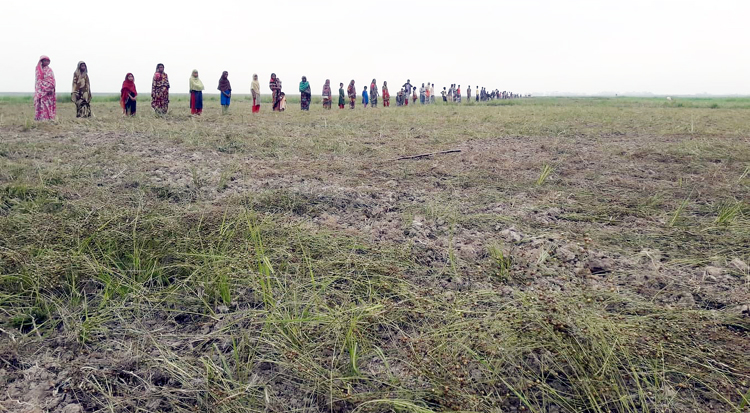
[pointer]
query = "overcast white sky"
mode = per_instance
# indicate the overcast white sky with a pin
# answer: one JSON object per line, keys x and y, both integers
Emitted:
{"x": 527, "y": 46}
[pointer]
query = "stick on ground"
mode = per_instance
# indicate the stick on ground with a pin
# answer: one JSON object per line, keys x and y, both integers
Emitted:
{"x": 425, "y": 154}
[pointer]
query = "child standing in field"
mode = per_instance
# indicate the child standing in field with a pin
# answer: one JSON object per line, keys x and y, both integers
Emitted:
{"x": 342, "y": 101}
{"x": 413, "y": 96}
{"x": 374, "y": 94}
{"x": 365, "y": 98}
{"x": 225, "y": 88}
{"x": 196, "y": 94}
{"x": 127, "y": 95}
{"x": 386, "y": 95}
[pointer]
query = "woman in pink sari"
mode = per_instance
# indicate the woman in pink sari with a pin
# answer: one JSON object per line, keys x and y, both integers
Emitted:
{"x": 45, "y": 106}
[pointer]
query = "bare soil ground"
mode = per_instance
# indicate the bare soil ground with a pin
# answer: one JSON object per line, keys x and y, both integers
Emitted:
{"x": 576, "y": 255}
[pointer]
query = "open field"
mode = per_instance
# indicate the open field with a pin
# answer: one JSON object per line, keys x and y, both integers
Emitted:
{"x": 577, "y": 255}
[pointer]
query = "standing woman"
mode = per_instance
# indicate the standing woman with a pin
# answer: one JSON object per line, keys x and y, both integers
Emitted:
{"x": 342, "y": 101}
{"x": 160, "y": 91}
{"x": 275, "y": 85}
{"x": 45, "y": 106}
{"x": 225, "y": 88}
{"x": 386, "y": 95}
{"x": 255, "y": 89}
{"x": 81, "y": 91}
{"x": 352, "y": 92}
{"x": 196, "y": 94}
{"x": 127, "y": 95}
{"x": 374, "y": 94}
{"x": 305, "y": 94}
{"x": 327, "y": 94}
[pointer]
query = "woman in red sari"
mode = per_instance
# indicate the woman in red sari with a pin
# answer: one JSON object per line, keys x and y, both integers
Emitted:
{"x": 45, "y": 104}
{"x": 127, "y": 95}
{"x": 386, "y": 95}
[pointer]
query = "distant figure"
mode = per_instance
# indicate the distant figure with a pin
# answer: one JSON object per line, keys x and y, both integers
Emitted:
{"x": 432, "y": 93}
{"x": 365, "y": 97}
{"x": 386, "y": 95}
{"x": 468, "y": 94}
{"x": 127, "y": 95}
{"x": 421, "y": 95}
{"x": 225, "y": 90}
{"x": 427, "y": 94}
{"x": 327, "y": 94}
{"x": 275, "y": 85}
{"x": 458, "y": 94}
{"x": 400, "y": 97}
{"x": 373, "y": 94}
{"x": 160, "y": 91}
{"x": 255, "y": 90}
{"x": 413, "y": 96}
{"x": 477, "y": 93}
{"x": 342, "y": 100}
{"x": 196, "y": 94}
{"x": 445, "y": 94}
{"x": 352, "y": 92}
{"x": 305, "y": 94}
{"x": 450, "y": 93}
{"x": 81, "y": 91}
{"x": 407, "y": 91}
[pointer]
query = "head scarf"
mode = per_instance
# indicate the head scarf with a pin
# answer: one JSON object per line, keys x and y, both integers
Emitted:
{"x": 327, "y": 88}
{"x": 39, "y": 70}
{"x": 224, "y": 84}
{"x": 256, "y": 85}
{"x": 128, "y": 88}
{"x": 304, "y": 85}
{"x": 81, "y": 80}
{"x": 195, "y": 82}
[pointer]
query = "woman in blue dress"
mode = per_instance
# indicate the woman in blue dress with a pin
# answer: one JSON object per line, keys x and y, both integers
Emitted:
{"x": 226, "y": 92}
{"x": 365, "y": 97}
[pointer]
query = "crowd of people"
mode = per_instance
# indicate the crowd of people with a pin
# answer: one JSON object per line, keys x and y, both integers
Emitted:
{"x": 45, "y": 99}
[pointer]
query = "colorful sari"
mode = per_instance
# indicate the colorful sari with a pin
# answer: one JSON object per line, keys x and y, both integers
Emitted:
{"x": 127, "y": 96}
{"x": 275, "y": 85}
{"x": 327, "y": 95}
{"x": 305, "y": 94}
{"x": 160, "y": 92}
{"x": 352, "y": 92}
{"x": 386, "y": 95}
{"x": 81, "y": 92}
{"x": 45, "y": 105}
{"x": 374, "y": 94}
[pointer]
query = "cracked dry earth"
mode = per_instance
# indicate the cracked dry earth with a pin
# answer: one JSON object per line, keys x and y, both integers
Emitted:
{"x": 625, "y": 210}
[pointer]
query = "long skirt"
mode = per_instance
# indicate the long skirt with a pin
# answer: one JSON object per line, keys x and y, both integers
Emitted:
{"x": 83, "y": 108}
{"x": 305, "y": 101}
{"x": 196, "y": 102}
{"x": 276, "y": 101}
{"x": 326, "y": 103}
{"x": 256, "y": 104}
{"x": 45, "y": 108}
{"x": 160, "y": 100}
{"x": 352, "y": 101}
{"x": 226, "y": 101}
{"x": 374, "y": 101}
{"x": 129, "y": 108}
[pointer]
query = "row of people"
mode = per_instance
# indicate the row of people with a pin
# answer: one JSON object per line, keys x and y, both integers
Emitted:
{"x": 45, "y": 101}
